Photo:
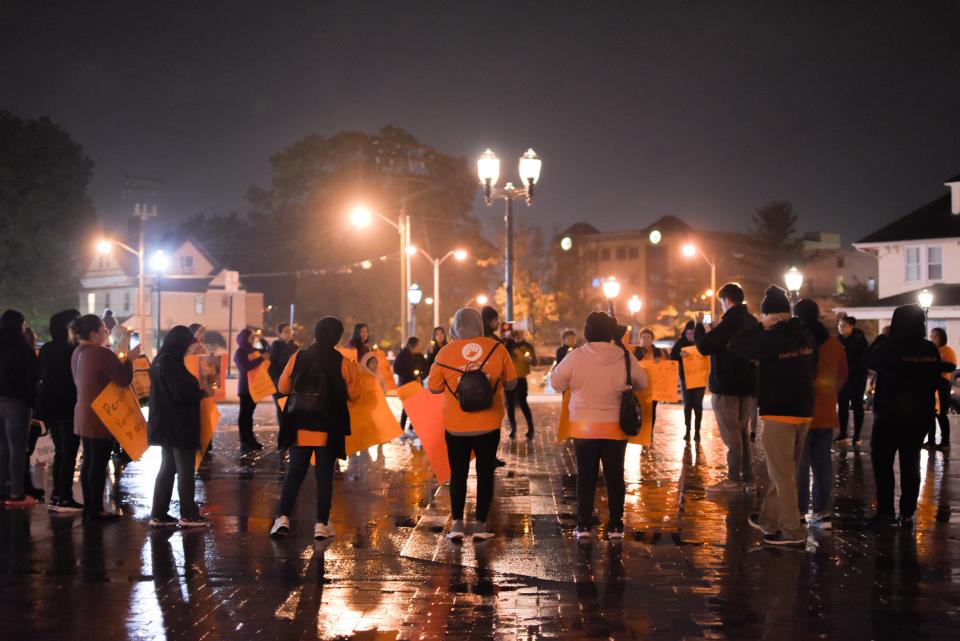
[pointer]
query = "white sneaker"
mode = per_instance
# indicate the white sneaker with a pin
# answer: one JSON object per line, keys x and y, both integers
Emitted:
{"x": 726, "y": 485}
{"x": 483, "y": 531}
{"x": 456, "y": 531}
{"x": 582, "y": 534}
{"x": 323, "y": 531}
{"x": 280, "y": 527}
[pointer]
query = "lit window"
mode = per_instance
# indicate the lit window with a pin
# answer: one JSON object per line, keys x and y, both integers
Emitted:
{"x": 186, "y": 264}
{"x": 934, "y": 263}
{"x": 840, "y": 286}
{"x": 912, "y": 258}
{"x": 198, "y": 304}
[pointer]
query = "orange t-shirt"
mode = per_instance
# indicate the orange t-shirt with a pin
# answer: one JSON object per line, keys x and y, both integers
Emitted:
{"x": 947, "y": 355}
{"x": 467, "y": 354}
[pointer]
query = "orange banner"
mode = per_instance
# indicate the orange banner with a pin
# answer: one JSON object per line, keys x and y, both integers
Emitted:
{"x": 663, "y": 377}
{"x": 119, "y": 410}
{"x": 260, "y": 383}
{"x": 371, "y": 421}
{"x": 425, "y": 411}
{"x": 209, "y": 417}
{"x": 696, "y": 367}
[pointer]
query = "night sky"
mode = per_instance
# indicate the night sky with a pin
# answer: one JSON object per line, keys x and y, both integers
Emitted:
{"x": 851, "y": 111}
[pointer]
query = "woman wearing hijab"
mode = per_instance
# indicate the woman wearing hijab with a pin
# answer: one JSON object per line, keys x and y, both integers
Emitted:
{"x": 94, "y": 366}
{"x": 174, "y": 425}
{"x": 908, "y": 371}
{"x": 692, "y": 396}
{"x": 316, "y": 422}
{"x": 360, "y": 340}
{"x": 247, "y": 358}
{"x": 58, "y": 396}
{"x": 19, "y": 373}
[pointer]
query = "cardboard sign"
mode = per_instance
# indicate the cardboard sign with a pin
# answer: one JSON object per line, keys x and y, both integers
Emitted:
{"x": 309, "y": 438}
{"x": 425, "y": 410}
{"x": 118, "y": 409}
{"x": 260, "y": 383}
{"x": 696, "y": 367}
{"x": 409, "y": 390}
{"x": 663, "y": 378}
{"x": 564, "y": 428}
{"x": 209, "y": 417}
{"x": 371, "y": 421}
{"x": 211, "y": 371}
{"x": 141, "y": 378}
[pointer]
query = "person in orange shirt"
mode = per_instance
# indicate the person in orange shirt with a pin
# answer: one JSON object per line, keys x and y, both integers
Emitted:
{"x": 816, "y": 456}
{"x": 477, "y": 431}
{"x": 316, "y": 421}
{"x": 948, "y": 357}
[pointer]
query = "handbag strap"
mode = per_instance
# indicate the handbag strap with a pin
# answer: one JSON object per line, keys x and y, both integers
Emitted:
{"x": 626, "y": 362}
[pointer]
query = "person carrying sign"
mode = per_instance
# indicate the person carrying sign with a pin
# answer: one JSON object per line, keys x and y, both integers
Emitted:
{"x": 94, "y": 366}
{"x": 692, "y": 395}
{"x": 247, "y": 358}
{"x": 472, "y": 372}
{"x": 319, "y": 382}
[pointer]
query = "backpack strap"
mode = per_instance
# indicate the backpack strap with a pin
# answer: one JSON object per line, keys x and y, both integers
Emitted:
{"x": 462, "y": 371}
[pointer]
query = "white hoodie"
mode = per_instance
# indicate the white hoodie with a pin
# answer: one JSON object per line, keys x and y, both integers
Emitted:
{"x": 596, "y": 376}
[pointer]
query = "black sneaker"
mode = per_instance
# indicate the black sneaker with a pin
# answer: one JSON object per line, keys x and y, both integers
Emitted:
{"x": 530, "y": 433}
{"x": 65, "y": 506}
{"x": 779, "y": 539}
{"x": 501, "y": 462}
{"x": 162, "y": 521}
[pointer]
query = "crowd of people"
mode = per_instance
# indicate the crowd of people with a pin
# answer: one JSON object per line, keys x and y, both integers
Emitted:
{"x": 786, "y": 368}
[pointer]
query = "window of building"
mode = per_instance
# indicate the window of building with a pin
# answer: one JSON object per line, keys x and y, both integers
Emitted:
{"x": 912, "y": 258}
{"x": 106, "y": 299}
{"x": 126, "y": 301}
{"x": 604, "y": 254}
{"x": 871, "y": 284}
{"x": 840, "y": 261}
{"x": 634, "y": 253}
{"x": 592, "y": 255}
{"x": 198, "y": 304}
{"x": 186, "y": 264}
{"x": 935, "y": 263}
{"x": 621, "y": 253}
{"x": 226, "y": 301}
{"x": 840, "y": 285}
{"x": 91, "y": 302}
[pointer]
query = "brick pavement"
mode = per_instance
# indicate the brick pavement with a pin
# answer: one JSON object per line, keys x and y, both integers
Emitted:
{"x": 689, "y": 569}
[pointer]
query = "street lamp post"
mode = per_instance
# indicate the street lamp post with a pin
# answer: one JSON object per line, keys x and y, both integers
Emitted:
{"x": 105, "y": 246}
{"x": 414, "y": 295}
{"x": 362, "y": 217}
{"x": 457, "y": 254}
{"x": 793, "y": 279}
{"x": 159, "y": 263}
{"x": 635, "y": 305}
{"x": 690, "y": 250}
{"x": 925, "y": 299}
{"x": 488, "y": 170}
{"x": 611, "y": 289}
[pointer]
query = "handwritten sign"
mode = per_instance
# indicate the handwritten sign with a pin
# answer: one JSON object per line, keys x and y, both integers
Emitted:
{"x": 696, "y": 367}
{"x": 371, "y": 421}
{"x": 119, "y": 410}
{"x": 209, "y": 417}
{"x": 663, "y": 377}
{"x": 259, "y": 381}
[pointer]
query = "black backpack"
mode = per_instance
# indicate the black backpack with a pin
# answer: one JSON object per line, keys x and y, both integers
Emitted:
{"x": 474, "y": 391}
{"x": 310, "y": 393}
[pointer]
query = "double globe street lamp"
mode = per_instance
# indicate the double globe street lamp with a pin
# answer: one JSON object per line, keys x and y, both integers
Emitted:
{"x": 488, "y": 171}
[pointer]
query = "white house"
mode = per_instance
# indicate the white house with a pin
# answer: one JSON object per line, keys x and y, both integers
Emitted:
{"x": 917, "y": 252}
{"x": 192, "y": 289}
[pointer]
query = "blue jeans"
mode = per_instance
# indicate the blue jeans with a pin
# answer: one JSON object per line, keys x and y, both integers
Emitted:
{"x": 816, "y": 457}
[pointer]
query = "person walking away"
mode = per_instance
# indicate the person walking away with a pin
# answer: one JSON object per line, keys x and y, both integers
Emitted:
{"x": 476, "y": 427}
{"x": 280, "y": 352}
{"x": 568, "y": 343}
{"x": 596, "y": 377}
{"x": 787, "y": 357}
{"x": 360, "y": 340}
{"x": 491, "y": 328}
{"x": 948, "y": 359}
{"x": 174, "y": 425}
{"x": 55, "y": 407}
{"x": 199, "y": 346}
{"x": 247, "y": 358}
{"x": 524, "y": 356}
{"x": 851, "y": 396}
{"x": 438, "y": 343}
{"x": 647, "y": 351}
{"x": 19, "y": 374}
{"x": 319, "y": 381}
{"x": 95, "y": 366}
{"x": 908, "y": 371}
{"x": 733, "y": 384}
{"x": 410, "y": 365}
{"x": 816, "y": 457}
{"x": 692, "y": 396}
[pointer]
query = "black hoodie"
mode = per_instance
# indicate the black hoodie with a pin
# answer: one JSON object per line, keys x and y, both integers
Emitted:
{"x": 729, "y": 374}
{"x": 58, "y": 392}
{"x": 788, "y": 364}
{"x": 908, "y": 370}
{"x": 19, "y": 368}
{"x": 175, "y": 395}
{"x": 855, "y": 345}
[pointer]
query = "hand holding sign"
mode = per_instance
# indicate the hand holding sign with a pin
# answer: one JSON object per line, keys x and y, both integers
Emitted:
{"x": 119, "y": 410}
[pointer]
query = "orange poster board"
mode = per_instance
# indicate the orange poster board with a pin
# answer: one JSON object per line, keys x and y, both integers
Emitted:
{"x": 141, "y": 378}
{"x": 260, "y": 383}
{"x": 386, "y": 373}
{"x": 663, "y": 378}
{"x": 209, "y": 417}
{"x": 349, "y": 352}
{"x": 696, "y": 367}
{"x": 119, "y": 410}
{"x": 645, "y": 437}
{"x": 425, "y": 410}
{"x": 564, "y": 428}
{"x": 371, "y": 421}
{"x": 211, "y": 371}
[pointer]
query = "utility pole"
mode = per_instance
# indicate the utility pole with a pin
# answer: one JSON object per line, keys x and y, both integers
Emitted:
{"x": 143, "y": 191}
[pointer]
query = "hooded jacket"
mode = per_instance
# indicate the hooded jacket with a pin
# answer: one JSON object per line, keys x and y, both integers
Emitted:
{"x": 246, "y": 358}
{"x": 855, "y": 348}
{"x": 729, "y": 374}
{"x": 175, "y": 395}
{"x": 94, "y": 367}
{"x": 19, "y": 368}
{"x": 787, "y": 359}
{"x": 58, "y": 392}
{"x": 676, "y": 352}
{"x": 409, "y": 367}
{"x": 280, "y": 352}
{"x": 908, "y": 371}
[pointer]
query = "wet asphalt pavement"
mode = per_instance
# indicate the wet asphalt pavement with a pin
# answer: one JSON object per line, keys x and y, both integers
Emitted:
{"x": 690, "y": 567}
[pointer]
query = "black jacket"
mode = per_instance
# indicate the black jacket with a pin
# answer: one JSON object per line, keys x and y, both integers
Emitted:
{"x": 729, "y": 374}
{"x": 432, "y": 355}
{"x": 676, "y": 354}
{"x": 19, "y": 371}
{"x": 175, "y": 397}
{"x": 908, "y": 371}
{"x": 562, "y": 351}
{"x": 788, "y": 364}
{"x": 855, "y": 347}
{"x": 58, "y": 392}
{"x": 409, "y": 367}
{"x": 280, "y": 353}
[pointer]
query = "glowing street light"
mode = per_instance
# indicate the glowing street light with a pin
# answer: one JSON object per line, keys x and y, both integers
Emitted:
{"x": 925, "y": 299}
{"x": 655, "y": 237}
{"x": 361, "y": 217}
{"x": 690, "y": 250}
{"x": 634, "y": 304}
{"x": 414, "y": 295}
{"x": 482, "y": 299}
{"x": 159, "y": 262}
{"x": 794, "y": 281}
{"x": 410, "y": 250}
{"x": 566, "y": 243}
{"x": 611, "y": 289}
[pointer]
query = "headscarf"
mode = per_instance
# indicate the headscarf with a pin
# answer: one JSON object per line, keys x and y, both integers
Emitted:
{"x": 177, "y": 342}
{"x": 600, "y": 327}
{"x": 808, "y": 312}
{"x": 467, "y": 323}
{"x": 908, "y": 322}
{"x": 60, "y": 324}
{"x": 329, "y": 331}
{"x": 243, "y": 339}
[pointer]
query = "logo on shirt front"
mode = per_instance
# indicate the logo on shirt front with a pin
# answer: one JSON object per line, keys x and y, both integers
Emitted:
{"x": 472, "y": 351}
